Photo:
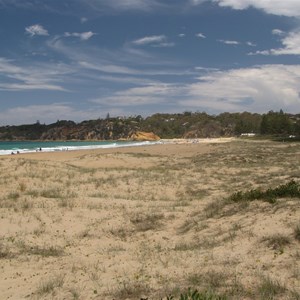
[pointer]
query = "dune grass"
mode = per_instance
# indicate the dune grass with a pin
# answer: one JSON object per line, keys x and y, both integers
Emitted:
{"x": 220, "y": 219}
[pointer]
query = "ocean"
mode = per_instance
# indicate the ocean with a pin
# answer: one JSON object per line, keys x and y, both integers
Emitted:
{"x": 14, "y": 147}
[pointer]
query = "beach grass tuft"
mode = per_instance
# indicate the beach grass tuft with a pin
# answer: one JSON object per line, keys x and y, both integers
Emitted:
{"x": 145, "y": 222}
{"x": 297, "y": 232}
{"x": 269, "y": 288}
{"x": 49, "y": 285}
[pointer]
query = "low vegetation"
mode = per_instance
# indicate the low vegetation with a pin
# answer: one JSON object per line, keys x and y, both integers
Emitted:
{"x": 290, "y": 189}
{"x": 297, "y": 232}
{"x": 182, "y": 222}
{"x": 196, "y": 295}
{"x": 188, "y": 125}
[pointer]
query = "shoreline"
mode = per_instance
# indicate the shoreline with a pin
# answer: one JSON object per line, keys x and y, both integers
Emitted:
{"x": 138, "y": 147}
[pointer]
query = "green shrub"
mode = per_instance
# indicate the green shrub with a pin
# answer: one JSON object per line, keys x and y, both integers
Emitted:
{"x": 290, "y": 189}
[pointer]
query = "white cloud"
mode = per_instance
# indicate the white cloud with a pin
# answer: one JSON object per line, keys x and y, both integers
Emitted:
{"x": 278, "y": 32}
{"x": 163, "y": 45}
{"x": 7, "y": 66}
{"x": 290, "y": 8}
{"x": 251, "y": 44}
{"x": 205, "y": 69}
{"x": 33, "y": 77}
{"x": 123, "y": 5}
{"x": 45, "y": 114}
{"x": 154, "y": 41}
{"x": 25, "y": 86}
{"x": 196, "y": 2}
{"x": 83, "y": 20}
{"x": 84, "y": 36}
{"x": 257, "y": 89}
{"x": 150, "y": 40}
{"x": 108, "y": 68}
{"x": 291, "y": 45}
{"x": 181, "y": 35}
{"x": 118, "y": 62}
{"x": 158, "y": 93}
{"x": 200, "y": 35}
{"x": 254, "y": 89}
{"x": 229, "y": 42}
{"x": 132, "y": 80}
{"x": 36, "y": 30}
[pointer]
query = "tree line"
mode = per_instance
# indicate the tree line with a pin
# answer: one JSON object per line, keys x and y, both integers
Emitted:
{"x": 179, "y": 125}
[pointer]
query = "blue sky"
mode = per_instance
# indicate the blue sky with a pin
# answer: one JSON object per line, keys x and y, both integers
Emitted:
{"x": 82, "y": 59}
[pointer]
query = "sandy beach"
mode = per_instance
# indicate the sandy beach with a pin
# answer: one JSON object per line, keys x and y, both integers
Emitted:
{"x": 147, "y": 222}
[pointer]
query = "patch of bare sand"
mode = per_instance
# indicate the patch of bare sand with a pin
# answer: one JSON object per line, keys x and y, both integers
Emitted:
{"x": 148, "y": 221}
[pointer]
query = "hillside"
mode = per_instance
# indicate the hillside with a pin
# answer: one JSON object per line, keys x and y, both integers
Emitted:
{"x": 183, "y": 125}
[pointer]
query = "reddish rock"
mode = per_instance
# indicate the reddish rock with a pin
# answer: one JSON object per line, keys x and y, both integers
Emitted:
{"x": 144, "y": 136}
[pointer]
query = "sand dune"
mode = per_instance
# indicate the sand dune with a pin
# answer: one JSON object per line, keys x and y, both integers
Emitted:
{"x": 150, "y": 221}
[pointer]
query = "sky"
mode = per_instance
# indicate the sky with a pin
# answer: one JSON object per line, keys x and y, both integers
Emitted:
{"x": 82, "y": 59}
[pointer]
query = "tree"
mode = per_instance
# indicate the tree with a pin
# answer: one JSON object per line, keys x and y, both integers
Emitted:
{"x": 276, "y": 123}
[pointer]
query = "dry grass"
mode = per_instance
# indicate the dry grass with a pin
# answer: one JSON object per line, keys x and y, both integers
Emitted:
{"x": 151, "y": 222}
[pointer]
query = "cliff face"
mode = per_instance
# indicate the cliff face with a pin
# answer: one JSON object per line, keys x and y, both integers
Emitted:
{"x": 97, "y": 133}
{"x": 144, "y": 136}
{"x": 87, "y": 131}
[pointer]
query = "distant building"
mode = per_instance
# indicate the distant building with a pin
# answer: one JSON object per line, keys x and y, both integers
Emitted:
{"x": 248, "y": 134}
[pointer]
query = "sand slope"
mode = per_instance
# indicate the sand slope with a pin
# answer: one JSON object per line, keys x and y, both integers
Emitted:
{"x": 148, "y": 222}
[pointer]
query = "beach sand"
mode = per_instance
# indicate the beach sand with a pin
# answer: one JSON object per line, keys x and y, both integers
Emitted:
{"x": 146, "y": 222}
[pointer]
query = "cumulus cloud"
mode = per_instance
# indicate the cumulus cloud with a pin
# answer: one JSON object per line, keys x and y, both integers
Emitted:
{"x": 84, "y": 36}
{"x": 36, "y": 30}
{"x": 290, "y": 42}
{"x": 254, "y": 89}
{"x": 290, "y": 8}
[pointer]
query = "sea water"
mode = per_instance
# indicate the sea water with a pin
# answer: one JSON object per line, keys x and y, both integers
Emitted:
{"x": 14, "y": 147}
